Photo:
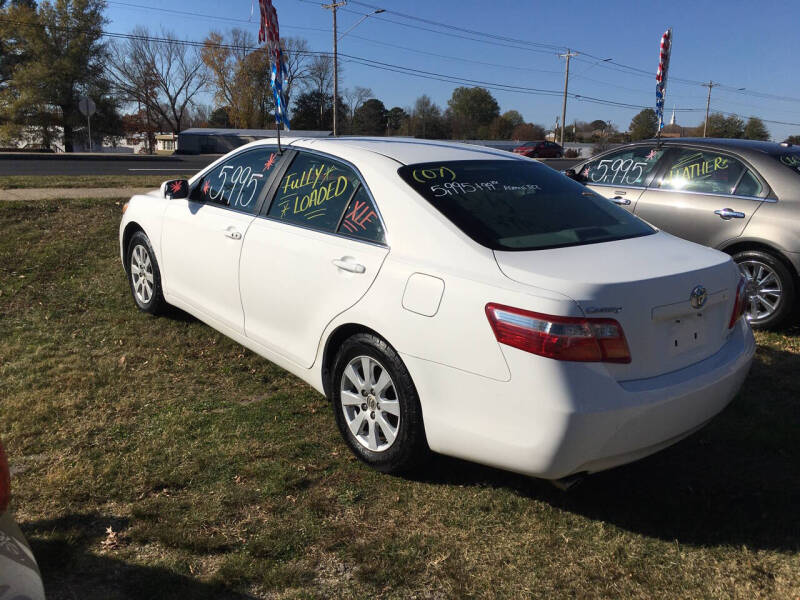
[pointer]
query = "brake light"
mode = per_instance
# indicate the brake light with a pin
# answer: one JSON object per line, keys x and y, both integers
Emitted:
{"x": 740, "y": 304}
{"x": 5, "y": 481}
{"x": 560, "y": 338}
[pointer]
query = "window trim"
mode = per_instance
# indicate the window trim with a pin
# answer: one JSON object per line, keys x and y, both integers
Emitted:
{"x": 220, "y": 163}
{"x": 264, "y": 212}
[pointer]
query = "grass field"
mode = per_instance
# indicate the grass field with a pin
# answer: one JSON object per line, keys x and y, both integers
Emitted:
{"x": 18, "y": 182}
{"x": 154, "y": 458}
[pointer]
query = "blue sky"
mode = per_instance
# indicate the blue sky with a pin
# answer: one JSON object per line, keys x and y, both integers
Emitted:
{"x": 741, "y": 44}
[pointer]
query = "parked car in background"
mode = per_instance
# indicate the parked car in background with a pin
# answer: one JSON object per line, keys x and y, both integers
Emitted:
{"x": 739, "y": 196}
{"x": 540, "y": 149}
{"x": 19, "y": 573}
{"x": 450, "y": 297}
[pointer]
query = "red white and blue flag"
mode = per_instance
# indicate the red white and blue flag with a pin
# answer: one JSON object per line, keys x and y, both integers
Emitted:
{"x": 268, "y": 32}
{"x": 661, "y": 75}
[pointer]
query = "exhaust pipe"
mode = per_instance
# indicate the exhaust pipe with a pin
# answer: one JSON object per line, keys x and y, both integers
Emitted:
{"x": 570, "y": 481}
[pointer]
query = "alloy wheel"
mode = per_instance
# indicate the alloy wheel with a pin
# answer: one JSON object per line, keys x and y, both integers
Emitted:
{"x": 142, "y": 274}
{"x": 764, "y": 290}
{"x": 370, "y": 403}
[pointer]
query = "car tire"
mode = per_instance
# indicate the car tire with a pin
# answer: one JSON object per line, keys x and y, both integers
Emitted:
{"x": 763, "y": 271}
{"x": 144, "y": 276}
{"x": 389, "y": 437}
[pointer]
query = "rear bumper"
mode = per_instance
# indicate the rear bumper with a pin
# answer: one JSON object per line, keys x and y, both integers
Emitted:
{"x": 554, "y": 419}
{"x": 18, "y": 568}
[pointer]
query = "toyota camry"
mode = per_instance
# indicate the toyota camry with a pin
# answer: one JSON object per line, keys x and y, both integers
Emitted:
{"x": 451, "y": 298}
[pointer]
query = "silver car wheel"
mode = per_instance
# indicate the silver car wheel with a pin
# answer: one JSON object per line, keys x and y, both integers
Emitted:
{"x": 370, "y": 404}
{"x": 142, "y": 274}
{"x": 764, "y": 291}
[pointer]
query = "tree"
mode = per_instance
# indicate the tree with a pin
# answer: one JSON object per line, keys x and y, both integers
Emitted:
{"x": 397, "y": 118}
{"x": 371, "y": 118}
{"x": 500, "y": 129}
{"x": 59, "y": 67}
{"x": 320, "y": 74}
{"x": 353, "y": 99}
{"x": 219, "y": 118}
{"x": 163, "y": 75}
{"x": 239, "y": 78}
{"x": 296, "y": 55}
{"x": 427, "y": 121}
{"x": 528, "y": 132}
{"x": 720, "y": 126}
{"x": 514, "y": 117}
{"x": 755, "y": 129}
{"x": 471, "y": 110}
{"x": 793, "y": 139}
{"x": 314, "y": 110}
{"x": 644, "y": 125}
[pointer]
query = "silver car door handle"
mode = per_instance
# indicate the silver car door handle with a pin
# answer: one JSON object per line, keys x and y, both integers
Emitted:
{"x": 234, "y": 235}
{"x": 728, "y": 214}
{"x": 621, "y": 201}
{"x": 346, "y": 265}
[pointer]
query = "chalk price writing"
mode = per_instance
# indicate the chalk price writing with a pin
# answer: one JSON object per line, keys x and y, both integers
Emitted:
{"x": 530, "y": 188}
{"x": 791, "y": 160}
{"x": 457, "y": 189}
{"x": 244, "y": 177}
{"x": 629, "y": 171}
{"x": 432, "y": 174}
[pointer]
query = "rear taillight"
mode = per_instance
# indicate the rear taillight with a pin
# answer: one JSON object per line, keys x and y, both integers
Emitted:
{"x": 5, "y": 481}
{"x": 561, "y": 338}
{"x": 740, "y": 304}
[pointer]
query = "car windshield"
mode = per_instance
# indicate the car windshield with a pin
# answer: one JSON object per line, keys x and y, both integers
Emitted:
{"x": 520, "y": 205}
{"x": 790, "y": 158}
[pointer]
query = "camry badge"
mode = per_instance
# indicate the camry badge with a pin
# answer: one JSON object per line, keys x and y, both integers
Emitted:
{"x": 698, "y": 296}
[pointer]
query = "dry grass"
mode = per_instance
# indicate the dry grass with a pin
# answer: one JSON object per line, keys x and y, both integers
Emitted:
{"x": 18, "y": 182}
{"x": 155, "y": 458}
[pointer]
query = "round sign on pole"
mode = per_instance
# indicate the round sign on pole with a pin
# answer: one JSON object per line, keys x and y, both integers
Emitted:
{"x": 87, "y": 106}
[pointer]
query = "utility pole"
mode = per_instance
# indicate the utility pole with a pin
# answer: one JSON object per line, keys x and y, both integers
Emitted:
{"x": 709, "y": 85}
{"x": 332, "y": 7}
{"x": 567, "y": 55}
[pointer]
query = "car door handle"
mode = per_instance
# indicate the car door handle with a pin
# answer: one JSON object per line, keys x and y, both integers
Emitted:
{"x": 728, "y": 213}
{"x": 348, "y": 265}
{"x": 621, "y": 201}
{"x": 233, "y": 234}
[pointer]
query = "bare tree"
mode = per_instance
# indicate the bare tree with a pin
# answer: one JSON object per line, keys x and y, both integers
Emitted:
{"x": 298, "y": 62}
{"x": 320, "y": 74}
{"x": 161, "y": 73}
{"x": 353, "y": 99}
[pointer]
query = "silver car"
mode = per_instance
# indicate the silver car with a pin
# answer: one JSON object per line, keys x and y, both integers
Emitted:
{"x": 739, "y": 196}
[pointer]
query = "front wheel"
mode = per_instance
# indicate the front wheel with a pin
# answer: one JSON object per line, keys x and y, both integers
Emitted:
{"x": 376, "y": 405}
{"x": 144, "y": 276}
{"x": 770, "y": 289}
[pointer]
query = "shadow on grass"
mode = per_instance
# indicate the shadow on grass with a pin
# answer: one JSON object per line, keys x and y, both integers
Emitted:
{"x": 737, "y": 482}
{"x": 70, "y": 570}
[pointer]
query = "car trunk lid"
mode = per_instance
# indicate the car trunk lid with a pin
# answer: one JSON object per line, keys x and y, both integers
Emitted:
{"x": 646, "y": 284}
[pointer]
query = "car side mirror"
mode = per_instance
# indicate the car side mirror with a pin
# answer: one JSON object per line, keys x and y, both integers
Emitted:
{"x": 573, "y": 174}
{"x": 175, "y": 189}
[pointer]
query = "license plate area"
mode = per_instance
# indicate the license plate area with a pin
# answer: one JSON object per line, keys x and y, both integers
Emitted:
{"x": 687, "y": 333}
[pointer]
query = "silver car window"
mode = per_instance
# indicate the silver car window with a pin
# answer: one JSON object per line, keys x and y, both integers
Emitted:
{"x": 629, "y": 166}
{"x": 702, "y": 171}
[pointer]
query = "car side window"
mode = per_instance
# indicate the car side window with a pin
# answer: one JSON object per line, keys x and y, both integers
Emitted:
{"x": 314, "y": 192}
{"x": 702, "y": 171}
{"x": 749, "y": 185}
{"x": 237, "y": 182}
{"x": 630, "y": 166}
{"x": 361, "y": 218}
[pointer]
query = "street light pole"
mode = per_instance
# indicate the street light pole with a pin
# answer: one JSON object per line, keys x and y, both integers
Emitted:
{"x": 332, "y": 7}
{"x": 567, "y": 55}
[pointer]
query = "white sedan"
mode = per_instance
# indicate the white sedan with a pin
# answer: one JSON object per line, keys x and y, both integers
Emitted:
{"x": 451, "y": 298}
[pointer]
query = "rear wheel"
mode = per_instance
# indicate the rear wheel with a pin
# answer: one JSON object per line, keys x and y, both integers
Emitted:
{"x": 376, "y": 405}
{"x": 770, "y": 288}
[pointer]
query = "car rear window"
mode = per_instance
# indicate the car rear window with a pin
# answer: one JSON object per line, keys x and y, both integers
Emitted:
{"x": 520, "y": 204}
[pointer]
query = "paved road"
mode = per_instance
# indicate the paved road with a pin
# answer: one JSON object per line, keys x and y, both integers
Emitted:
{"x": 39, "y": 164}
{"x": 42, "y": 164}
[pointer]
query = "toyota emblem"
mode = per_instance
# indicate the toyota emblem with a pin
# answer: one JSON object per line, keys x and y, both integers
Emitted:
{"x": 698, "y": 297}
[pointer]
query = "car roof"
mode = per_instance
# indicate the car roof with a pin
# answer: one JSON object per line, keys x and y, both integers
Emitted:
{"x": 724, "y": 143}
{"x": 403, "y": 150}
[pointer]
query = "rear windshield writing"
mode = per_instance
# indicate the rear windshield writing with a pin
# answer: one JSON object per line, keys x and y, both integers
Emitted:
{"x": 520, "y": 205}
{"x": 791, "y": 160}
